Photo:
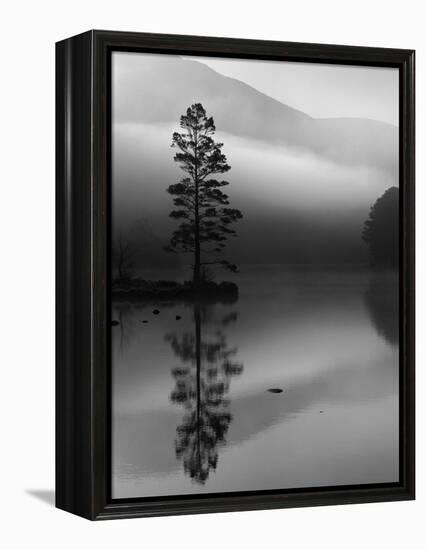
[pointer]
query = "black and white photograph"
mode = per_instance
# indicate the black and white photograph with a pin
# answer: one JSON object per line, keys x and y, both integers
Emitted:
{"x": 211, "y": 237}
{"x": 254, "y": 275}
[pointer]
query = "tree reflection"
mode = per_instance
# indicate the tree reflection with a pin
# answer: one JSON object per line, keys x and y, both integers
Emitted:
{"x": 201, "y": 386}
{"x": 381, "y": 298}
{"x": 125, "y": 325}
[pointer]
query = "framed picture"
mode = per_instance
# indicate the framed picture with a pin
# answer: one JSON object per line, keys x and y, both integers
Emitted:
{"x": 235, "y": 274}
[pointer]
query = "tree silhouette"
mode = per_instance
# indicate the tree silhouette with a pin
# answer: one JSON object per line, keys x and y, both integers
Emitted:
{"x": 201, "y": 387}
{"x": 380, "y": 230}
{"x": 201, "y": 205}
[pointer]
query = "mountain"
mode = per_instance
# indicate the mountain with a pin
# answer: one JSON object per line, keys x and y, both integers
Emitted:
{"x": 158, "y": 89}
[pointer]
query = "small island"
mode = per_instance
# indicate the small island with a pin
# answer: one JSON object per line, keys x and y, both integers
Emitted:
{"x": 204, "y": 216}
{"x": 137, "y": 288}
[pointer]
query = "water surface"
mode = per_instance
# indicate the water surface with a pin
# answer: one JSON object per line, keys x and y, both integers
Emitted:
{"x": 191, "y": 406}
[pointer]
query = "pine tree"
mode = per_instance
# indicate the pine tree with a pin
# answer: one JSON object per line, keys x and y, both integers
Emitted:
{"x": 200, "y": 202}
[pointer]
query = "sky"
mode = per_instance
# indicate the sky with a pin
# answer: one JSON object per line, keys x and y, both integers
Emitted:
{"x": 320, "y": 90}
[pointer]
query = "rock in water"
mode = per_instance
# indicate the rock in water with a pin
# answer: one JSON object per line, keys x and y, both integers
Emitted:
{"x": 178, "y": 317}
{"x": 275, "y": 390}
{"x": 155, "y": 311}
{"x": 115, "y": 323}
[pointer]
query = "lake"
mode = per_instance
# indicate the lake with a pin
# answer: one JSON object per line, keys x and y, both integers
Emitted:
{"x": 192, "y": 410}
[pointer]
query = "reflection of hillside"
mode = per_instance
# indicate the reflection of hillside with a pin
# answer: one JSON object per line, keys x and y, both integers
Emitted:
{"x": 258, "y": 412}
{"x": 254, "y": 414}
{"x": 381, "y": 299}
{"x": 201, "y": 386}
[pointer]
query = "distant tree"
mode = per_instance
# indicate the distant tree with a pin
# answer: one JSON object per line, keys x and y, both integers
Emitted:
{"x": 123, "y": 254}
{"x": 201, "y": 205}
{"x": 381, "y": 230}
{"x": 200, "y": 387}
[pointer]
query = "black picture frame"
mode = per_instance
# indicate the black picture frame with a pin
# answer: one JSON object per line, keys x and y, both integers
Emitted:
{"x": 82, "y": 274}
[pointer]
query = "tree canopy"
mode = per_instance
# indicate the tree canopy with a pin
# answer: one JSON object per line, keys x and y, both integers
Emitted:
{"x": 201, "y": 206}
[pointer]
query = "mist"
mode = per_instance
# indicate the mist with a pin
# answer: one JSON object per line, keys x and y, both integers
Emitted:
{"x": 299, "y": 207}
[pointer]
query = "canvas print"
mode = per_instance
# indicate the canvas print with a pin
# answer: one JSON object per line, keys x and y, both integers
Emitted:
{"x": 254, "y": 275}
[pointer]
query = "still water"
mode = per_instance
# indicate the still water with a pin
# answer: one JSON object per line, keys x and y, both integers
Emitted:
{"x": 191, "y": 406}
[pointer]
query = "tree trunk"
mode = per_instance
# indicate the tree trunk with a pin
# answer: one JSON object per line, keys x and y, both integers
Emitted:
{"x": 197, "y": 263}
{"x": 197, "y": 266}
